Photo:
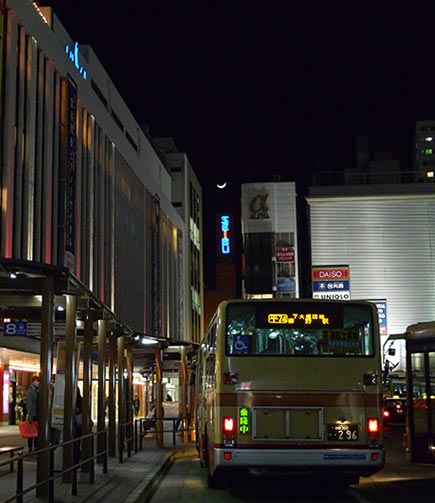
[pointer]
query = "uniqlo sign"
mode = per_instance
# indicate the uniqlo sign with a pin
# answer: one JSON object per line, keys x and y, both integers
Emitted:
{"x": 331, "y": 282}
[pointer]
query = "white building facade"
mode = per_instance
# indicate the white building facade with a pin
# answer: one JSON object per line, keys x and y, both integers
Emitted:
{"x": 270, "y": 241}
{"x": 187, "y": 199}
{"x": 385, "y": 235}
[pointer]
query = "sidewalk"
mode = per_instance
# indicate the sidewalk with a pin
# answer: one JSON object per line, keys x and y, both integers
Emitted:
{"x": 129, "y": 482}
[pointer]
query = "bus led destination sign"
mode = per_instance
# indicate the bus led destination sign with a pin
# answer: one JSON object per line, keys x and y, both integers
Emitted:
{"x": 299, "y": 315}
{"x": 296, "y": 318}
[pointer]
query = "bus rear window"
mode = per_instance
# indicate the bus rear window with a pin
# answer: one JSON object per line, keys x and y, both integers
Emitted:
{"x": 299, "y": 329}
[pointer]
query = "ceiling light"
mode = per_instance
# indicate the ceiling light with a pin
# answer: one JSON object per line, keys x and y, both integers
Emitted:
{"x": 148, "y": 342}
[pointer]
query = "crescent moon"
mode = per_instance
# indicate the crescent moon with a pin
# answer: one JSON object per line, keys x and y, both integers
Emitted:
{"x": 221, "y": 186}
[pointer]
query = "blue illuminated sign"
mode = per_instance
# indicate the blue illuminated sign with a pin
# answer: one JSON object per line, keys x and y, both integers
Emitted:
{"x": 15, "y": 328}
{"x": 225, "y": 240}
{"x": 382, "y": 313}
{"x": 324, "y": 286}
{"x": 73, "y": 54}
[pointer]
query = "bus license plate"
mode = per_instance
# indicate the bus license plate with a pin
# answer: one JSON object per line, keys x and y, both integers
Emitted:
{"x": 342, "y": 432}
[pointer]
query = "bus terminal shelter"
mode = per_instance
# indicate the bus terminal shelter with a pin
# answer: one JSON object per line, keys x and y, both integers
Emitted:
{"x": 76, "y": 337}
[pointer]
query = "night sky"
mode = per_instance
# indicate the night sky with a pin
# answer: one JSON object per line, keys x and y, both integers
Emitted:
{"x": 249, "y": 90}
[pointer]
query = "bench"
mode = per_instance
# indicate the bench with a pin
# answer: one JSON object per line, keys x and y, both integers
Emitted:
{"x": 11, "y": 450}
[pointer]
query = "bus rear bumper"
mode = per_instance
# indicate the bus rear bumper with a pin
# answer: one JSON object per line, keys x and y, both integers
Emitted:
{"x": 364, "y": 462}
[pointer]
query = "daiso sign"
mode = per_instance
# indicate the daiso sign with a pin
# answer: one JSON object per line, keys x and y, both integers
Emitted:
{"x": 328, "y": 273}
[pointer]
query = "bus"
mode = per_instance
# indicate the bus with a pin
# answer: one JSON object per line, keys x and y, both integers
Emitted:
{"x": 290, "y": 387}
{"x": 420, "y": 388}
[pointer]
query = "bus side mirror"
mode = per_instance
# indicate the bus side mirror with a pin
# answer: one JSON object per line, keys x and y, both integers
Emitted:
{"x": 391, "y": 351}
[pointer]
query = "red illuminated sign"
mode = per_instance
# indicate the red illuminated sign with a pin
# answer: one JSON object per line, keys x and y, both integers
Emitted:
{"x": 330, "y": 273}
{"x": 285, "y": 254}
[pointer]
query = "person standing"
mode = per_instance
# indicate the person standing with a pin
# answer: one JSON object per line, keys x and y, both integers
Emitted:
{"x": 136, "y": 404}
{"x": 32, "y": 397}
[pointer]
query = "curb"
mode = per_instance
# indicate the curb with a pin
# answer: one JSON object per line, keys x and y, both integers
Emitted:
{"x": 146, "y": 493}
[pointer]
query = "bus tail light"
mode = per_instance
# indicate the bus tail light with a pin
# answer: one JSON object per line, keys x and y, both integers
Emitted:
{"x": 229, "y": 424}
{"x": 229, "y": 427}
{"x": 373, "y": 430}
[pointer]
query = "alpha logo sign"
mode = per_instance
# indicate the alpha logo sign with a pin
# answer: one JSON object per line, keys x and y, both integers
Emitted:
{"x": 259, "y": 208}
{"x": 331, "y": 282}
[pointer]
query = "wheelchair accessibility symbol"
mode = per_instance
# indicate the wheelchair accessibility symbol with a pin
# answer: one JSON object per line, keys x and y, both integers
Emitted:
{"x": 241, "y": 343}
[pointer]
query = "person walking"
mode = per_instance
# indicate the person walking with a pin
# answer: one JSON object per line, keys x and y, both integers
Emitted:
{"x": 32, "y": 398}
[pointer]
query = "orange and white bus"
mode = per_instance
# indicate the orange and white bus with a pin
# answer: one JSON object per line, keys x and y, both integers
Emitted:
{"x": 290, "y": 386}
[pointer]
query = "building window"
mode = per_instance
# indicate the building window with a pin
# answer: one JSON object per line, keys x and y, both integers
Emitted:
{"x": 117, "y": 121}
{"x": 130, "y": 139}
{"x": 99, "y": 93}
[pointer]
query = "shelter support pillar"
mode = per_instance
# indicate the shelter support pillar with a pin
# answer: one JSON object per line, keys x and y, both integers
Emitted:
{"x": 111, "y": 395}
{"x": 183, "y": 389}
{"x": 87, "y": 384}
{"x": 159, "y": 397}
{"x": 121, "y": 405}
{"x": 129, "y": 395}
{"x": 46, "y": 365}
{"x": 101, "y": 419}
{"x": 70, "y": 383}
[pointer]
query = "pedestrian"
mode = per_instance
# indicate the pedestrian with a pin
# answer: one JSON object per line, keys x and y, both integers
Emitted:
{"x": 32, "y": 398}
{"x": 19, "y": 408}
{"x": 136, "y": 405}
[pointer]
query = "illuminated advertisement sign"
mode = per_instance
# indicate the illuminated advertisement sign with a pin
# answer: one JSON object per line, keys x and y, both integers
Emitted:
{"x": 331, "y": 282}
{"x": 73, "y": 54}
{"x": 224, "y": 235}
{"x": 6, "y": 382}
{"x": 382, "y": 314}
{"x": 285, "y": 254}
{"x": 330, "y": 273}
{"x": 71, "y": 175}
